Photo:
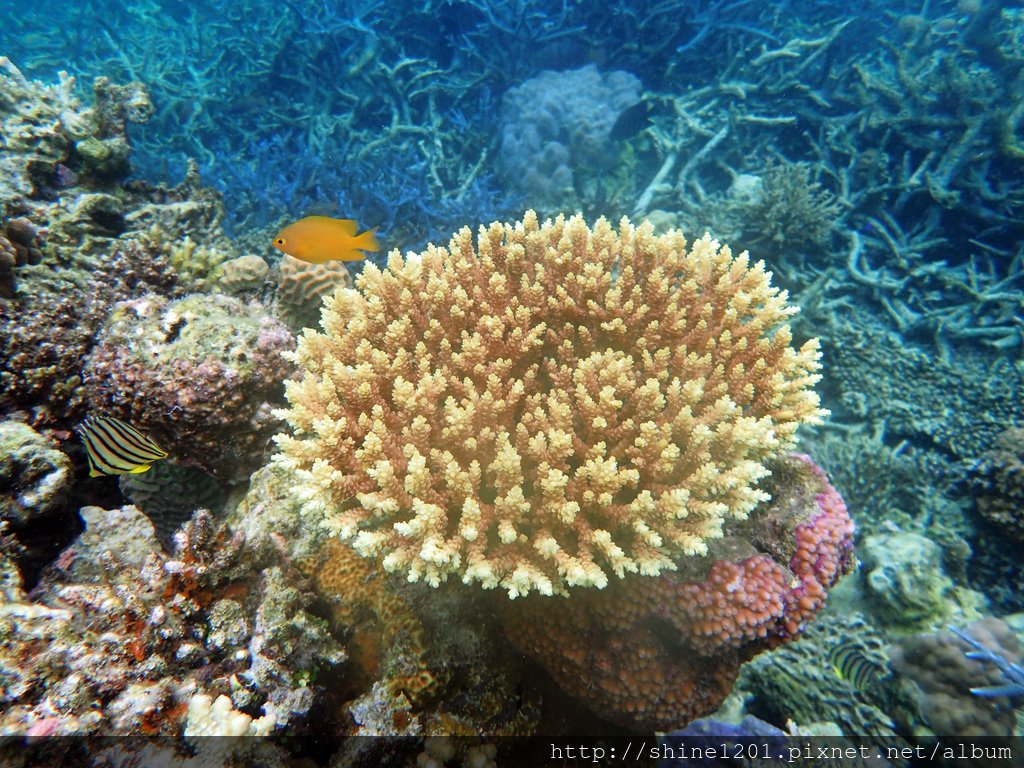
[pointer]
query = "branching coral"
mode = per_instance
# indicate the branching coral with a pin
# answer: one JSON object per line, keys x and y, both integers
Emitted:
{"x": 784, "y": 206}
{"x": 548, "y": 406}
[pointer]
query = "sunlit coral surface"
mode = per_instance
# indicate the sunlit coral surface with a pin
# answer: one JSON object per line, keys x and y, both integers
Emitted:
{"x": 547, "y": 406}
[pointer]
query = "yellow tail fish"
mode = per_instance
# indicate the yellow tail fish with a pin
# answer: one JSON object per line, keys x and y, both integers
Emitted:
{"x": 116, "y": 448}
{"x": 317, "y": 239}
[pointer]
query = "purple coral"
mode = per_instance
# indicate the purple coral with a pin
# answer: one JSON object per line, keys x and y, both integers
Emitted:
{"x": 948, "y": 674}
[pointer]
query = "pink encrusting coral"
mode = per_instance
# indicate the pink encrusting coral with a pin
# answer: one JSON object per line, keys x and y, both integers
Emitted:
{"x": 824, "y": 552}
{"x": 654, "y": 653}
{"x": 760, "y": 596}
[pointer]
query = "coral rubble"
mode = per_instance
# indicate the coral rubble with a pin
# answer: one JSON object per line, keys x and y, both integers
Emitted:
{"x": 133, "y": 641}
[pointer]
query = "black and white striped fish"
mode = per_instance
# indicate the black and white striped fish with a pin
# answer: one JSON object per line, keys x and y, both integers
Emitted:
{"x": 856, "y": 666}
{"x": 116, "y": 448}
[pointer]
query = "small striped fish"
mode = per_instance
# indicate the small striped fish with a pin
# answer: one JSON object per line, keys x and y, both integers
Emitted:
{"x": 856, "y": 667}
{"x": 116, "y": 448}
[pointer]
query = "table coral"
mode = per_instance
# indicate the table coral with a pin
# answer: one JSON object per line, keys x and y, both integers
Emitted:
{"x": 548, "y": 407}
{"x": 199, "y": 374}
{"x": 654, "y": 653}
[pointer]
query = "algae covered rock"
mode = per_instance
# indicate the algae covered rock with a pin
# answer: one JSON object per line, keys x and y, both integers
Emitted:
{"x": 200, "y": 375}
{"x": 125, "y": 532}
{"x": 907, "y": 585}
{"x": 35, "y": 477}
{"x": 999, "y": 478}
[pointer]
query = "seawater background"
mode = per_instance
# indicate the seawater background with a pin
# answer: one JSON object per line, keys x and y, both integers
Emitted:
{"x": 875, "y": 161}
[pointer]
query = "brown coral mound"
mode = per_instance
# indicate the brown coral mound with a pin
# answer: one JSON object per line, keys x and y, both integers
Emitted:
{"x": 999, "y": 478}
{"x": 547, "y": 406}
{"x": 944, "y": 675}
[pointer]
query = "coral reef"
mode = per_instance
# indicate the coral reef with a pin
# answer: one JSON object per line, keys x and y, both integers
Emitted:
{"x": 419, "y": 661}
{"x": 556, "y": 133}
{"x": 7, "y": 264}
{"x": 790, "y": 133}
{"x": 656, "y": 652}
{"x": 66, "y": 165}
{"x": 244, "y": 274}
{"x": 943, "y": 675}
{"x": 41, "y": 349}
{"x": 35, "y": 477}
{"x": 107, "y": 644}
{"x": 199, "y": 374}
{"x": 130, "y": 638}
{"x": 301, "y": 288}
{"x": 907, "y": 584}
{"x": 47, "y": 333}
{"x": 798, "y": 682}
{"x": 354, "y": 588}
{"x": 1012, "y": 683}
{"x": 549, "y": 407}
{"x": 998, "y": 477}
{"x": 98, "y": 238}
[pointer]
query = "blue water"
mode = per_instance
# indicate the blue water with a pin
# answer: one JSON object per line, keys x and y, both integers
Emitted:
{"x": 873, "y": 157}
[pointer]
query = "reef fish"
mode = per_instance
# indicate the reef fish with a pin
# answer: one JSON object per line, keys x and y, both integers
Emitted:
{"x": 317, "y": 239}
{"x": 854, "y": 666}
{"x": 116, "y": 448}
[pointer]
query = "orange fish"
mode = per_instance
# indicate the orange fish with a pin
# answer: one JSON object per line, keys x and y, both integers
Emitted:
{"x": 317, "y": 239}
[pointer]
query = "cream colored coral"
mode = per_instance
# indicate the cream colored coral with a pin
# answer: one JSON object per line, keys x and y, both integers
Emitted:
{"x": 201, "y": 264}
{"x": 246, "y": 273}
{"x": 547, "y": 407}
{"x": 206, "y": 717}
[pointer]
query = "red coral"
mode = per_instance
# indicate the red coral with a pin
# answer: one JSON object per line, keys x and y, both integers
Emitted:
{"x": 655, "y": 653}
